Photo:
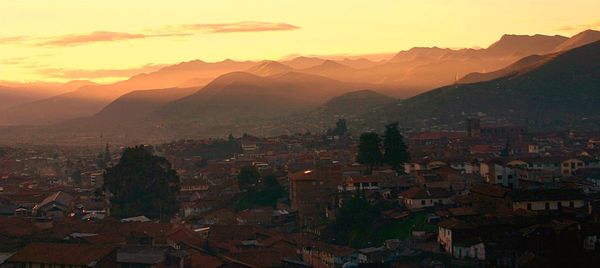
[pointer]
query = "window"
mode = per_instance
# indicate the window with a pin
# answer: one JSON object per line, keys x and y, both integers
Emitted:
{"x": 571, "y": 204}
{"x": 528, "y": 206}
{"x": 559, "y": 205}
{"x": 422, "y": 202}
{"x": 547, "y": 206}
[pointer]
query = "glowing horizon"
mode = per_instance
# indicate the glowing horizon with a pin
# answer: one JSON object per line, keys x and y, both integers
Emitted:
{"x": 104, "y": 41}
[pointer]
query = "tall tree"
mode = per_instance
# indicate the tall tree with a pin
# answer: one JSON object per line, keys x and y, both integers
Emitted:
{"x": 395, "y": 152}
{"x": 248, "y": 178}
{"x": 353, "y": 223}
{"x": 107, "y": 157}
{"x": 369, "y": 150}
{"x": 341, "y": 128}
{"x": 142, "y": 184}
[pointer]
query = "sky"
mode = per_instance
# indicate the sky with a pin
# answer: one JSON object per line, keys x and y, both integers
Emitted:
{"x": 107, "y": 40}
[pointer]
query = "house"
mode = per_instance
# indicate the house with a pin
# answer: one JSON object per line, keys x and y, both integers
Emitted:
{"x": 144, "y": 256}
{"x": 490, "y": 198}
{"x": 417, "y": 198}
{"x": 362, "y": 184}
{"x": 569, "y": 167}
{"x": 498, "y": 173}
{"x": 546, "y": 199}
{"x": 56, "y": 206}
{"x": 310, "y": 190}
{"x": 457, "y": 239}
{"x": 323, "y": 255}
{"x": 255, "y": 217}
{"x": 64, "y": 255}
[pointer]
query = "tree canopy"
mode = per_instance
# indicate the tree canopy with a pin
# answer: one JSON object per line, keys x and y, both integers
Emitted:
{"x": 341, "y": 128}
{"x": 353, "y": 221}
{"x": 395, "y": 150}
{"x": 142, "y": 184}
{"x": 248, "y": 178}
{"x": 266, "y": 193}
{"x": 369, "y": 150}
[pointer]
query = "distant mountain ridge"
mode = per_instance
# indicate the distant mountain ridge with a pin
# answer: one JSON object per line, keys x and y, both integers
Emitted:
{"x": 197, "y": 96}
{"x": 559, "y": 92}
{"x": 581, "y": 39}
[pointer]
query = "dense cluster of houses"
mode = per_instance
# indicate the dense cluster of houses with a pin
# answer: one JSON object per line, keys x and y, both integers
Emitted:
{"x": 488, "y": 196}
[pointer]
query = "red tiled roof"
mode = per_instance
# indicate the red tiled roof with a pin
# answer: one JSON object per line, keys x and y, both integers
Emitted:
{"x": 433, "y": 135}
{"x": 201, "y": 260}
{"x": 59, "y": 197}
{"x": 303, "y": 176}
{"x": 422, "y": 193}
{"x": 68, "y": 254}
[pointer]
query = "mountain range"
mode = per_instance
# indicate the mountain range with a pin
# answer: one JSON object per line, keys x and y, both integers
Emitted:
{"x": 556, "y": 90}
{"x": 505, "y": 80}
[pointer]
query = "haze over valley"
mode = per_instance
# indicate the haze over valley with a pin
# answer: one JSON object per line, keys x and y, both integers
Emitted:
{"x": 198, "y": 98}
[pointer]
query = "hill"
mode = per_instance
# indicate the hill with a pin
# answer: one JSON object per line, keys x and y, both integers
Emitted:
{"x": 268, "y": 67}
{"x": 88, "y": 100}
{"x": 580, "y": 39}
{"x": 241, "y": 97}
{"x": 563, "y": 91}
{"x": 356, "y": 103}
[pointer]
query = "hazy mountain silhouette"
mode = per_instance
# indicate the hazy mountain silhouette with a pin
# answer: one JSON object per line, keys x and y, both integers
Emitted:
{"x": 563, "y": 90}
{"x": 580, "y": 39}
{"x": 89, "y": 100}
{"x": 268, "y": 67}
{"x": 525, "y": 45}
{"x": 245, "y": 98}
{"x": 13, "y": 94}
{"x": 303, "y": 62}
{"x": 532, "y": 61}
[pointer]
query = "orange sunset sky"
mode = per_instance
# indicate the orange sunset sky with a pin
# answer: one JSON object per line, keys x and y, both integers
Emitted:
{"x": 108, "y": 40}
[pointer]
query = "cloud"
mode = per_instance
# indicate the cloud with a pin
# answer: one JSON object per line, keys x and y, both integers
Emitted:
{"x": 10, "y": 40}
{"x": 15, "y": 61}
{"x": 101, "y": 73}
{"x": 237, "y": 27}
{"x": 580, "y": 27}
{"x": 99, "y": 36}
{"x": 169, "y": 31}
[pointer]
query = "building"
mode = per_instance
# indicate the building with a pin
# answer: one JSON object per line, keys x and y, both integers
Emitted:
{"x": 497, "y": 173}
{"x": 547, "y": 199}
{"x": 473, "y": 127}
{"x": 417, "y": 198}
{"x": 56, "y": 206}
{"x": 64, "y": 255}
{"x": 311, "y": 190}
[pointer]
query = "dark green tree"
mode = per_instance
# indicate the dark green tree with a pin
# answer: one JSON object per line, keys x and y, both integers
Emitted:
{"x": 248, "y": 178}
{"x": 353, "y": 221}
{"x": 76, "y": 176}
{"x": 395, "y": 152}
{"x": 369, "y": 150}
{"x": 107, "y": 157}
{"x": 142, "y": 184}
{"x": 267, "y": 193}
{"x": 341, "y": 128}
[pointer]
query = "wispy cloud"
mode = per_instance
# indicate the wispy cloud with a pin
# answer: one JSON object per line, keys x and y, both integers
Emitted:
{"x": 236, "y": 27}
{"x": 11, "y": 40}
{"x": 580, "y": 27}
{"x": 168, "y": 31}
{"x": 101, "y": 73}
{"x": 99, "y": 36}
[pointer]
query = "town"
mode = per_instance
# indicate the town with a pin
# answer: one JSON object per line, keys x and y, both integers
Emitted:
{"x": 487, "y": 196}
